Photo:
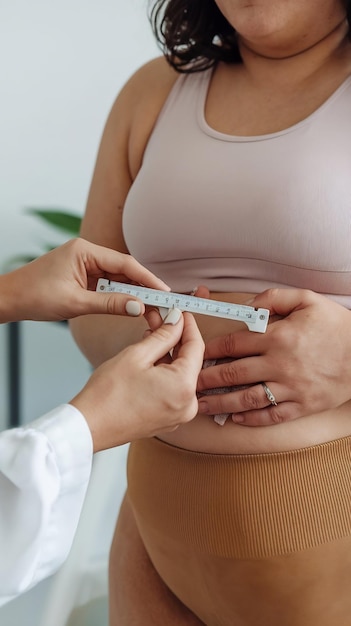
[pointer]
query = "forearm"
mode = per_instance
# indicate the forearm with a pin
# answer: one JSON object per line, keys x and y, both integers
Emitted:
{"x": 101, "y": 337}
{"x": 9, "y": 299}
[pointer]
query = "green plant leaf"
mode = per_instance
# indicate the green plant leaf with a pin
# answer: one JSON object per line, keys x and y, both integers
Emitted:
{"x": 62, "y": 220}
{"x": 69, "y": 222}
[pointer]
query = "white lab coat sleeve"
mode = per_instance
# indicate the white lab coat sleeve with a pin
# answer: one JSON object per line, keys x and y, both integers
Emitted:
{"x": 44, "y": 473}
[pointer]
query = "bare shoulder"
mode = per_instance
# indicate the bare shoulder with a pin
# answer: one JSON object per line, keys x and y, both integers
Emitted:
{"x": 146, "y": 90}
{"x": 152, "y": 81}
{"x": 126, "y": 134}
{"x": 139, "y": 104}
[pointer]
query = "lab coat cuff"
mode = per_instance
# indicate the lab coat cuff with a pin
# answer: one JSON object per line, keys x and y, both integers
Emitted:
{"x": 70, "y": 438}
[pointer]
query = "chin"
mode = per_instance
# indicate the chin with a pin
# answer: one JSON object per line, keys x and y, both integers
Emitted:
{"x": 259, "y": 20}
{"x": 267, "y": 38}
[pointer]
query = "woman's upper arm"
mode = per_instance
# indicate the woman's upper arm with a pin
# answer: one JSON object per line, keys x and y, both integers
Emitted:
{"x": 122, "y": 146}
{"x": 119, "y": 158}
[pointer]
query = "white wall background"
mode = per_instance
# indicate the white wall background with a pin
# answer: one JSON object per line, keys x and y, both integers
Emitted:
{"x": 62, "y": 63}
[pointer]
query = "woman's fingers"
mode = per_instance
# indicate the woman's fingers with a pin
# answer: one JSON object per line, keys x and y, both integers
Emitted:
{"x": 251, "y": 406}
{"x": 269, "y": 416}
{"x": 283, "y": 301}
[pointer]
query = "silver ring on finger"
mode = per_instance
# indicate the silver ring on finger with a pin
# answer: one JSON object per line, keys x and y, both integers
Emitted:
{"x": 269, "y": 394}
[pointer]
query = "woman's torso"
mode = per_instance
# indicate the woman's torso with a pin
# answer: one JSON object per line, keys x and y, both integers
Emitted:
{"x": 243, "y": 213}
{"x": 205, "y": 435}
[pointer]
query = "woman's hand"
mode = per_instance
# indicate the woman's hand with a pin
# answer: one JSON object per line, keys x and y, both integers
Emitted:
{"x": 61, "y": 284}
{"x": 304, "y": 358}
{"x": 134, "y": 395}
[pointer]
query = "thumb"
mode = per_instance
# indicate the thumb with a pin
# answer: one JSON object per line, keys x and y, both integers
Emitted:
{"x": 202, "y": 292}
{"x": 111, "y": 303}
{"x": 159, "y": 342}
{"x": 282, "y": 301}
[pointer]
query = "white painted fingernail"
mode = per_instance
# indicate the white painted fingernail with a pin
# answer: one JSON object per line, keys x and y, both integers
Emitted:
{"x": 173, "y": 317}
{"x": 163, "y": 312}
{"x": 133, "y": 307}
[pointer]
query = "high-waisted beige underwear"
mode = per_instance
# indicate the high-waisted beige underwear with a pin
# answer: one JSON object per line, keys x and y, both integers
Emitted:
{"x": 249, "y": 540}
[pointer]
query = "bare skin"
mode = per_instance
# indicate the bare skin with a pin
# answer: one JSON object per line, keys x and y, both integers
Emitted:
{"x": 132, "y": 395}
{"x": 147, "y": 589}
{"x": 61, "y": 284}
{"x": 290, "y": 67}
{"x": 311, "y": 77}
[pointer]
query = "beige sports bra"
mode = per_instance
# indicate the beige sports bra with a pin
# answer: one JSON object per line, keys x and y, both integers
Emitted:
{"x": 243, "y": 214}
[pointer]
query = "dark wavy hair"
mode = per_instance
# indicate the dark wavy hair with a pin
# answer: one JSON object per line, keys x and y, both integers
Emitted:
{"x": 194, "y": 35}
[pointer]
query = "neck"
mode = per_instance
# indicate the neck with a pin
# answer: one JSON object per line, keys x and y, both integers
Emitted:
{"x": 300, "y": 64}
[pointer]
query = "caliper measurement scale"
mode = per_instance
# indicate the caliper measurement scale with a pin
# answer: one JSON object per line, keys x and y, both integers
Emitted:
{"x": 255, "y": 319}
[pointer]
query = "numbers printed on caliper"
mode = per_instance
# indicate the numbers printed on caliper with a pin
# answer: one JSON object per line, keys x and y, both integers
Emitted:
{"x": 255, "y": 319}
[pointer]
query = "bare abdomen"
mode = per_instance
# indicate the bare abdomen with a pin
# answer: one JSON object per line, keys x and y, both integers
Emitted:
{"x": 204, "y": 435}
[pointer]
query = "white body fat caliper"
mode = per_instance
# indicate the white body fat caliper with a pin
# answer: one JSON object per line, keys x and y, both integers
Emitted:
{"x": 255, "y": 319}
